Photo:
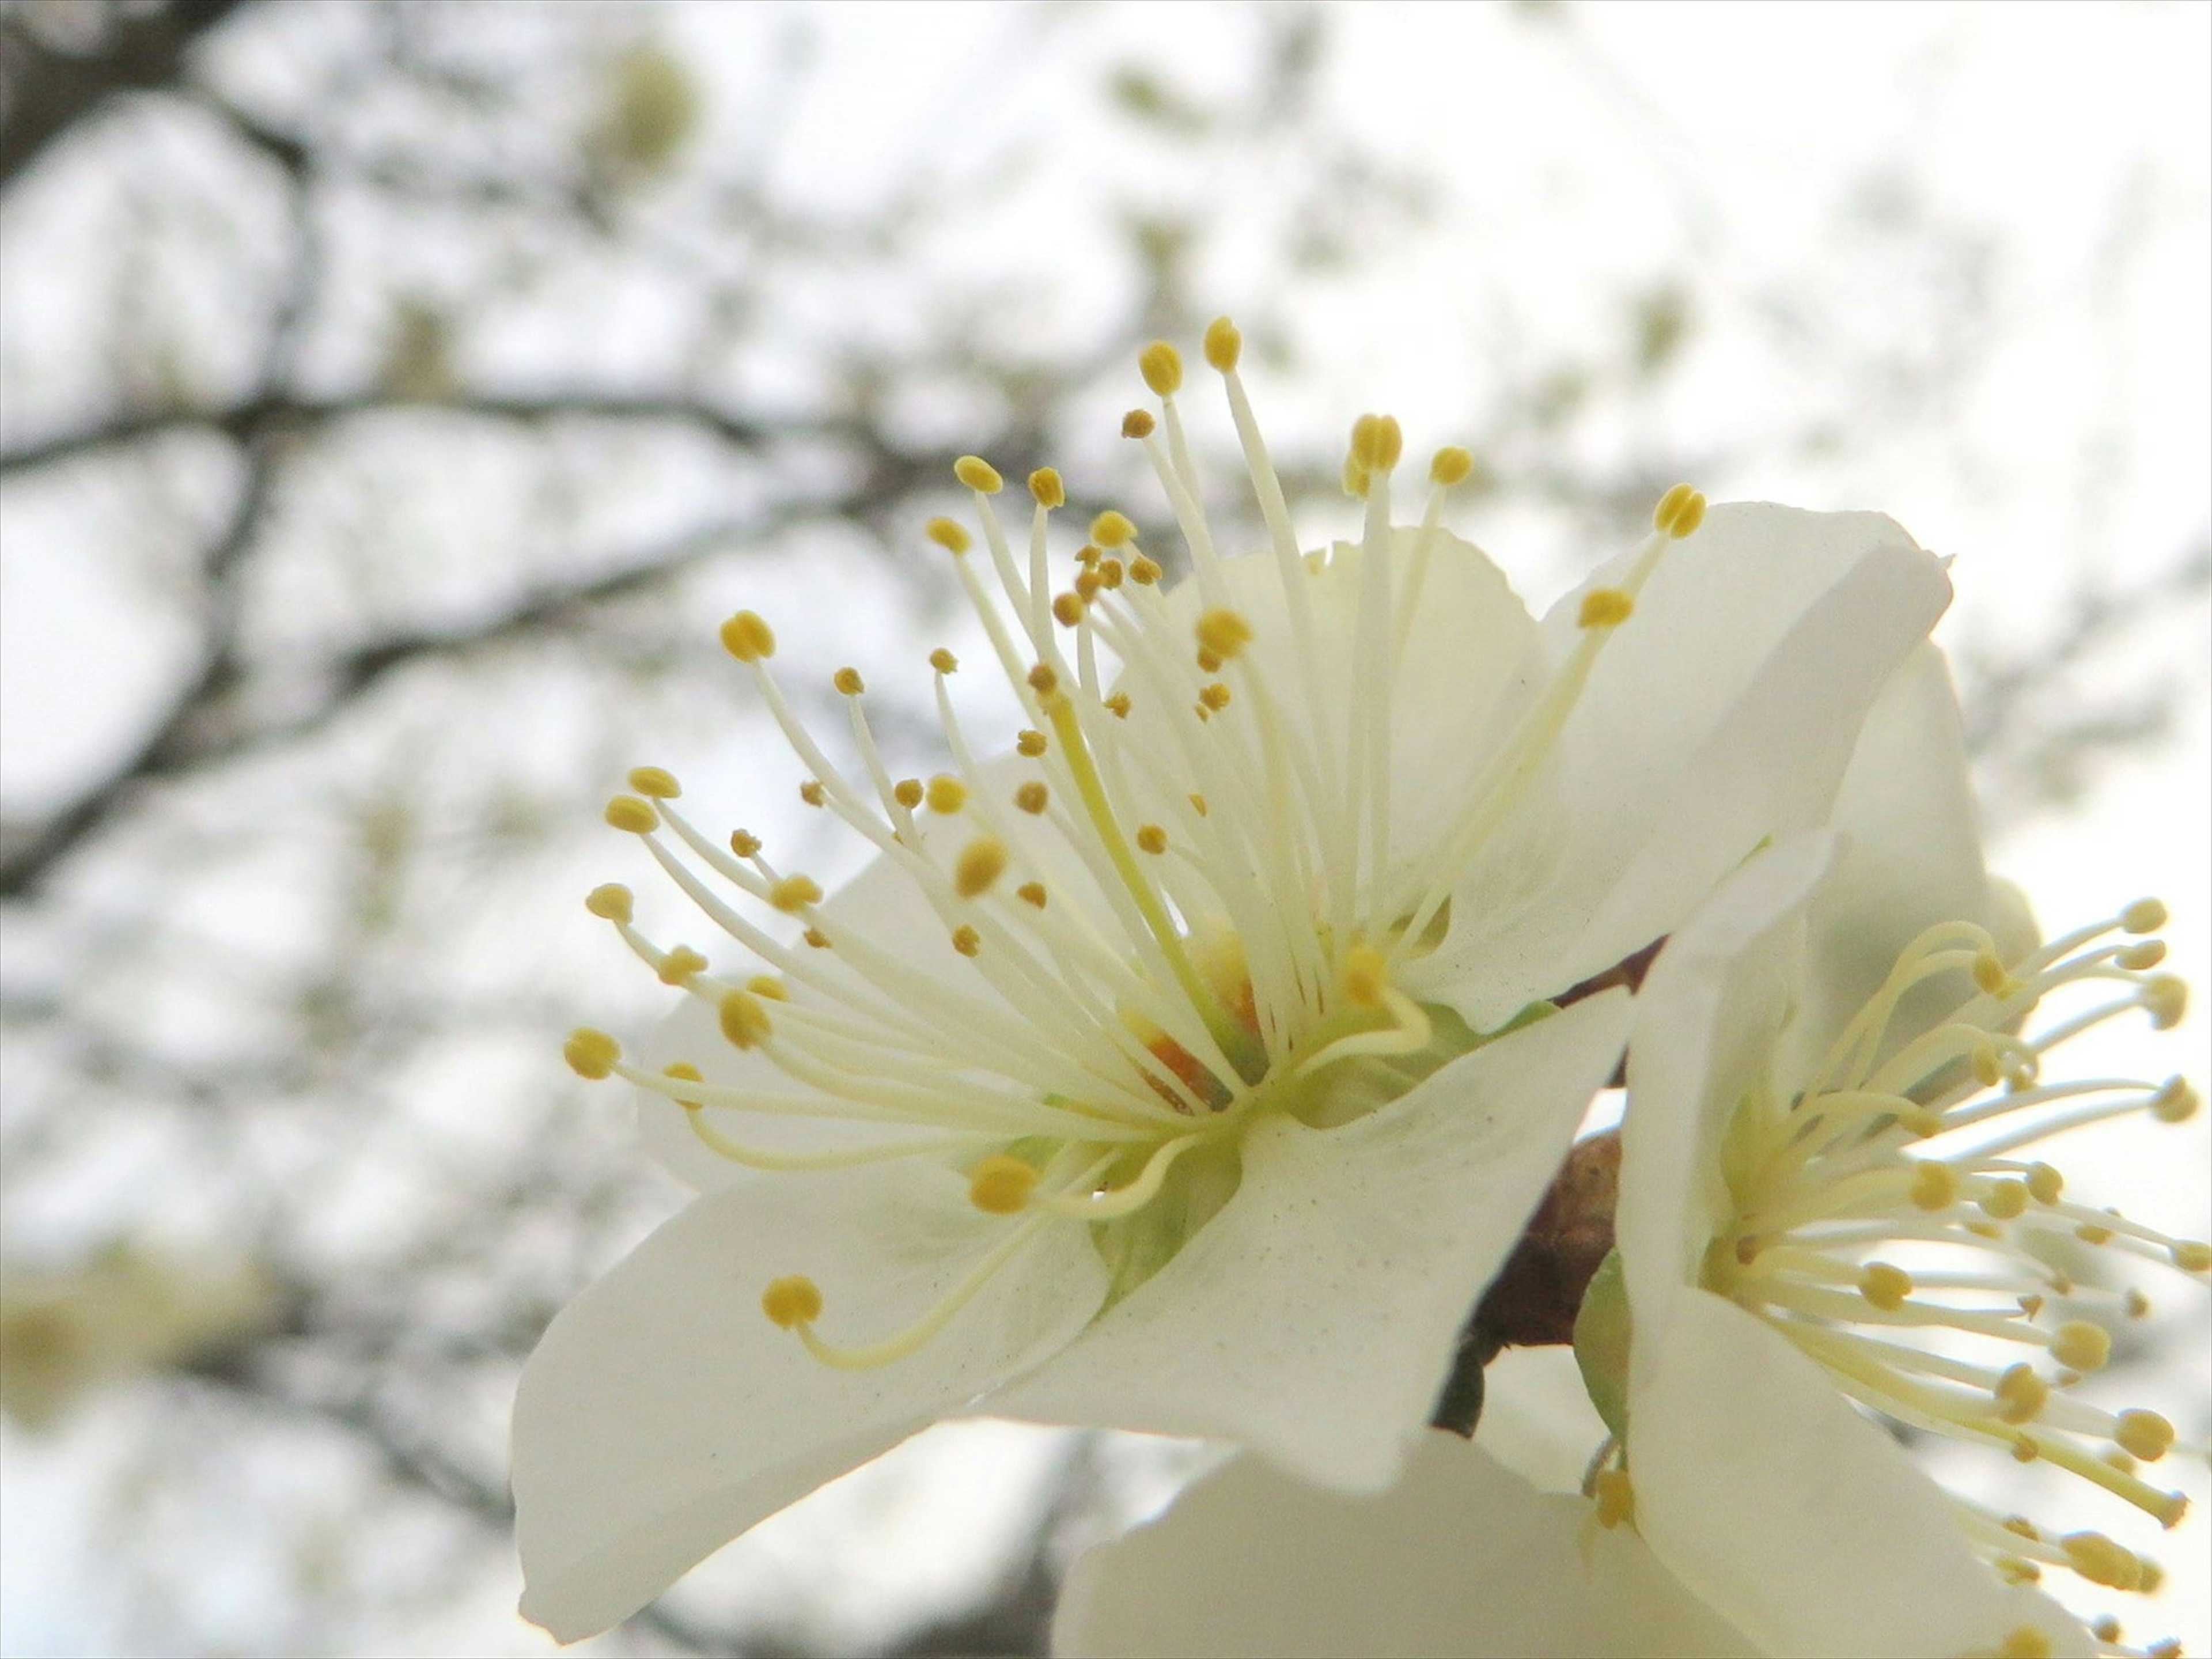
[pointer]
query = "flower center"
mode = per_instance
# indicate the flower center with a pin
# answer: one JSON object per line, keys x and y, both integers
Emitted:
{"x": 1916, "y": 1147}
{"x": 1181, "y": 905}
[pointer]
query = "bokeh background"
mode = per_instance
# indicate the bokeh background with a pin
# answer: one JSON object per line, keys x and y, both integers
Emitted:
{"x": 396, "y": 393}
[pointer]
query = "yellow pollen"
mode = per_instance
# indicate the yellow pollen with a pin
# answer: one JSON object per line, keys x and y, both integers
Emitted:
{"x": 2044, "y": 1183}
{"x": 908, "y": 793}
{"x": 1605, "y": 607}
{"x": 2143, "y": 1434}
{"x": 1042, "y": 680}
{"x": 792, "y": 1302}
{"x": 1121, "y": 705}
{"x": 2101, "y": 1561}
{"x": 1366, "y": 976}
{"x": 2020, "y": 1396}
{"x": 2137, "y": 957}
{"x": 745, "y": 843}
{"x": 1068, "y": 609}
{"x": 2005, "y": 1200}
{"x": 793, "y": 894}
{"x": 1138, "y": 423}
{"x": 748, "y": 638}
{"x": 745, "y": 1022}
{"x": 1112, "y": 529}
{"x": 1142, "y": 571}
{"x": 948, "y": 535}
{"x": 1031, "y": 892}
{"x": 678, "y": 967}
{"x": 1377, "y": 443}
{"x": 769, "y": 986}
{"x": 978, "y": 474}
{"x": 2025, "y": 1642}
{"x": 654, "y": 783}
{"x": 1451, "y": 466}
{"x": 1031, "y": 798}
{"x": 816, "y": 938}
{"x": 813, "y": 793}
{"x": 1152, "y": 839}
{"x": 2167, "y": 997}
{"x": 1214, "y": 697}
{"x": 966, "y": 940}
{"x": 1161, "y": 365}
{"x": 591, "y": 1054}
{"x": 1046, "y": 488}
{"x": 946, "y": 794}
{"x": 2177, "y": 1102}
{"x": 2145, "y": 916}
{"x": 943, "y": 661}
{"x": 1616, "y": 1498}
{"x": 1680, "y": 512}
{"x": 848, "y": 682}
{"x": 1884, "y": 1286}
{"x": 609, "y": 901}
{"x": 1224, "y": 633}
{"x": 628, "y": 812}
{"x": 1224, "y": 344}
{"x": 981, "y": 862}
{"x": 1029, "y": 742}
{"x": 1001, "y": 1185}
{"x": 2193, "y": 1257}
{"x": 2081, "y": 1346}
{"x": 1935, "y": 1186}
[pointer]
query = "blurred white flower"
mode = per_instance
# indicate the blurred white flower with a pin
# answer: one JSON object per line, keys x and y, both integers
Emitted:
{"x": 1191, "y": 1068}
{"x": 1798, "y": 1128}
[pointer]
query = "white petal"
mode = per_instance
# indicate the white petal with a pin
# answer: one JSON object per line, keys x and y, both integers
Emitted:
{"x": 1537, "y": 1419}
{"x": 1723, "y": 713}
{"x": 663, "y": 1414}
{"x": 1314, "y": 1317}
{"x": 1793, "y": 1517}
{"x": 1460, "y": 1557}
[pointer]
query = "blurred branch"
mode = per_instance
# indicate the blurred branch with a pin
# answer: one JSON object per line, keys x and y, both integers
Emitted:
{"x": 45, "y": 91}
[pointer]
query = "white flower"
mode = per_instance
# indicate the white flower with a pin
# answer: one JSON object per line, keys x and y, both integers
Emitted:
{"x": 1830, "y": 1211}
{"x": 1185, "y": 1069}
{"x": 1461, "y": 1557}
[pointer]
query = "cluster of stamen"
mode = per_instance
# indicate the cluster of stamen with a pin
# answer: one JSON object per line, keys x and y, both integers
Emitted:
{"x": 1235, "y": 916}
{"x": 1919, "y": 1146}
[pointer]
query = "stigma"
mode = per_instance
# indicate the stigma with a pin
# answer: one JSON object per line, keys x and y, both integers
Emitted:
{"x": 1894, "y": 1221}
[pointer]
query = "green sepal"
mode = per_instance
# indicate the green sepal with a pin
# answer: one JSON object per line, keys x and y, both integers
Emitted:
{"x": 1602, "y": 1333}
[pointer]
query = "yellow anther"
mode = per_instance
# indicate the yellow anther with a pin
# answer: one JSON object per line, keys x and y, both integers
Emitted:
{"x": 981, "y": 862}
{"x": 1208, "y": 663}
{"x": 1139, "y": 424}
{"x": 2135, "y": 1303}
{"x": 2025, "y": 1450}
{"x": 745, "y": 1022}
{"x": 978, "y": 474}
{"x": 2020, "y": 1526}
{"x": 1365, "y": 975}
{"x": 2090, "y": 1233}
{"x": 1605, "y": 607}
{"x": 745, "y": 843}
{"x": 2014, "y": 1571}
{"x": 1112, "y": 529}
{"x": 848, "y": 682}
{"x": 2145, "y": 916}
{"x": 1355, "y": 479}
{"x": 966, "y": 940}
{"x": 2080, "y": 1346}
{"x": 684, "y": 1072}
{"x": 591, "y": 1054}
{"x": 748, "y": 638}
{"x": 1224, "y": 633}
{"x": 654, "y": 783}
{"x": 678, "y": 967}
{"x": 945, "y": 795}
{"x": 769, "y": 986}
{"x": 1144, "y": 572}
{"x": 2137, "y": 958}
{"x": 2176, "y": 1103}
{"x": 2167, "y": 997}
{"x": 628, "y": 812}
{"x": 2021, "y": 1395}
{"x": 1224, "y": 344}
{"x": 1451, "y": 466}
{"x": 1032, "y": 798}
{"x": 2101, "y": 1561}
{"x": 2149, "y": 1576}
{"x": 908, "y": 793}
{"x": 1990, "y": 976}
{"x": 2044, "y": 1183}
{"x": 2117, "y": 1459}
{"x": 1110, "y": 572}
{"x": 793, "y": 894}
{"x": 948, "y": 535}
{"x": 1935, "y": 1186}
{"x": 1884, "y": 1286}
{"x": 1029, "y": 742}
{"x": 1068, "y": 609}
{"x": 1046, "y": 488}
{"x": 816, "y": 938}
{"x": 2005, "y": 1200}
{"x": 813, "y": 793}
{"x": 1377, "y": 443}
{"x": 792, "y": 1302}
{"x": 1087, "y": 583}
{"x": 2106, "y": 1629}
{"x": 2193, "y": 1257}
{"x": 1616, "y": 1498}
{"x": 1987, "y": 1070}
{"x": 2166, "y": 1647}
{"x": 1152, "y": 839}
{"x": 1161, "y": 364}
{"x": 609, "y": 901}
{"x": 2143, "y": 1434}
{"x": 943, "y": 661}
{"x": 1001, "y": 1185}
{"x": 1680, "y": 512}
{"x": 2025, "y": 1642}
{"x": 1086, "y": 555}
{"x": 1031, "y": 892}
{"x": 1119, "y": 705}
{"x": 1042, "y": 680}
{"x": 1198, "y": 804}
{"x": 1214, "y": 696}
